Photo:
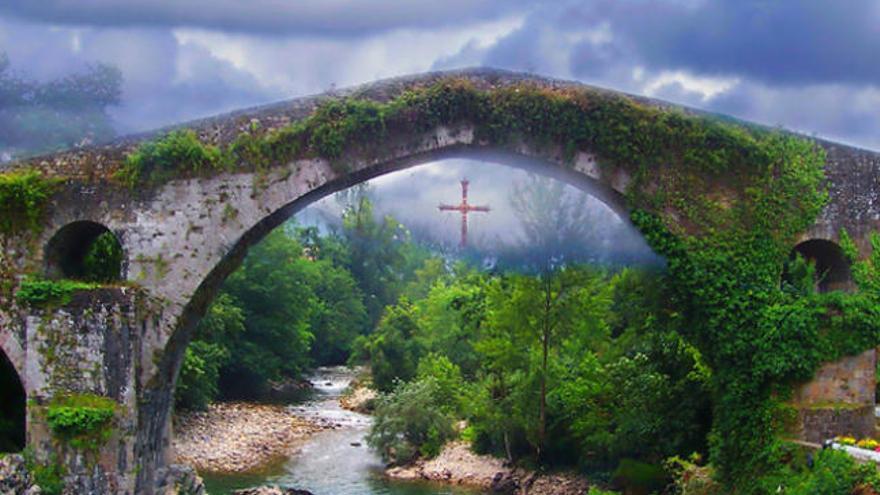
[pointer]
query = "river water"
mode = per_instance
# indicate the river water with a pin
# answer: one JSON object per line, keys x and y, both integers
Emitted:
{"x": 334, "y": 461}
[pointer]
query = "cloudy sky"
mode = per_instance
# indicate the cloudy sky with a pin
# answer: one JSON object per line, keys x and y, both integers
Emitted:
{"x": 808, "y": 65}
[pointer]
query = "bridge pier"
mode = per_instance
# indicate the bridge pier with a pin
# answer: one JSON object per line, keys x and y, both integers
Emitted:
{"x": 98, "y": 344}
{"x": 839, "y": 400}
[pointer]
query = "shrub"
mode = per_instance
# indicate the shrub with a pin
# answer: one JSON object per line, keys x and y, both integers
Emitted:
{"x": 49, "y": 476}
{"x": 36, "y": 292}
{"x": 84, "y": 421}
{"x": 103, "y": 260}
{"x": 409, "y": 422}
{"x": 177, "y": 153}
{"x": 24, "y": 196}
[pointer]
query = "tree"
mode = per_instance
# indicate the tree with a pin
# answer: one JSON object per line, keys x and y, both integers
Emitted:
{"x": 339, "y": 315}
{"x": 69, "y": 111}
{"x": 529, "y": 320}
{"x": 409, "y": 422}
{"x": 392, "y": 350}
{"x": 222, "y": 326}
{"x": 382, "y": 257}
{"x": 272, "y": 288}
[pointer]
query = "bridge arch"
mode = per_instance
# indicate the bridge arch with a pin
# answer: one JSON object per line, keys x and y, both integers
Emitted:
{"x": 831, "y": 264}
{"x": 67, "y": 253}
{"x": 584, "y": 175}
{"x": 13, "y": 407}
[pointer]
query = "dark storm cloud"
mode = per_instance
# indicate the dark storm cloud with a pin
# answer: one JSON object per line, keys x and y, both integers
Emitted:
{"x": 289, "y": 17}
{"x": 791, "y": 42}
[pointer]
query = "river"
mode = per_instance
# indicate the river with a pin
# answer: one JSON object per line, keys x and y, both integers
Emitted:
{"x": 335, "y": 461}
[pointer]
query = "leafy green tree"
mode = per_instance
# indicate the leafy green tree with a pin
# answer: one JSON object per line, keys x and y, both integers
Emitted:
{"x": 410, "y": 422}
{"x": 272, "y": 288}
{"x": 44, "y": 116}
{"x": 339, "y": 315}
{"x": 530, "y": 319}
{"x": 198, "y": 383}
{"x": 382, "y": 258}
{"x": 392, "y": 350}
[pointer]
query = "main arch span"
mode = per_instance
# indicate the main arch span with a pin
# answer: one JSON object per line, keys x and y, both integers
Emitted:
{"x": 183, "y": 234}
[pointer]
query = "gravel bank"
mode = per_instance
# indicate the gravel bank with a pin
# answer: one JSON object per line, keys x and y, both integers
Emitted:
{"x": 457, "y": 465}
{"x": 238, "y": 437}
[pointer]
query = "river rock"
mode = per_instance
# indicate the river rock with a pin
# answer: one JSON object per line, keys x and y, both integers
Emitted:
{"x": 504, "y": 482}
{"x": 271, "y": 490}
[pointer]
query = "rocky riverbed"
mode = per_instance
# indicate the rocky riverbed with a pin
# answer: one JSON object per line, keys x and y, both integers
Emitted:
{"x": 457, "y": 465}
{"x": 240, "y": 437}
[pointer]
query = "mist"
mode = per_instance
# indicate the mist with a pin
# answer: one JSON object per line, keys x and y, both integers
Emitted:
{"x": 534, "y": 220}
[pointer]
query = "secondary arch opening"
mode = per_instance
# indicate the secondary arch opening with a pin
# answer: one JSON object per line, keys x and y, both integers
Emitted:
{"x": 12, "y": 408}
{"x": 87, "y": 251}
{"x": 829, "y": 263}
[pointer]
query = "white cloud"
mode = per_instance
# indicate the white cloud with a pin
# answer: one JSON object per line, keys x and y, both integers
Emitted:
{"x": 706, "y": 87}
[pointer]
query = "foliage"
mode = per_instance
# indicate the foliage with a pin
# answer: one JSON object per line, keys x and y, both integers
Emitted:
{"x": 24, "y": 197}
{"x": 177, "y": 153}
{"x": 84, "y": 421}
{"x": 273, "y": 291}
{"x": 410, "y": 421}
{"x": 689, "y": 477}
{"x": 37, "y": 292}
{"x": 832, "y": 472}
{"x": 49, "y": 476}
{"x": 103, "y": 259}
{"x": 38, "y": 116}
{"x": 198, "y": 382}
{"x": 639, "y": 477}
{"x": 392, "y": 350}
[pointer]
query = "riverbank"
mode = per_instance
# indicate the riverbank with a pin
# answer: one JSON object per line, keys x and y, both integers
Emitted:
{"x": 457, "y": 465}
{"x": 240, "y": 437}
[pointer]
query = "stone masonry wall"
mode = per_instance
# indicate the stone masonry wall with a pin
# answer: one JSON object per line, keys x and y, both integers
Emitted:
{"x": 839, "y": 400}
{"x": 91, "y": 345}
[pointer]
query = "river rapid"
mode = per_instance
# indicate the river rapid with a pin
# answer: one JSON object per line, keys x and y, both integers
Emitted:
{"x": 334, "y": 461}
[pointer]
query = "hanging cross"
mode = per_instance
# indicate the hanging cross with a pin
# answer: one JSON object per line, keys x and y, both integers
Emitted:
{"x": 464, "y": 208}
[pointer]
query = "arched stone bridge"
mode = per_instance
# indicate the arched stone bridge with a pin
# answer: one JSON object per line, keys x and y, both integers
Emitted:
{"x": 182, "y": 238}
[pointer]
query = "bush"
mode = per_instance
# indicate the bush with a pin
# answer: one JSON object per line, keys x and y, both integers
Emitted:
{"x": 410, "y": 422}
{"x": 103, "y": 260}
{"x": 639, "y": 478}
{"x": 37, "y": 292}
{"x": 84, "y": 421}
{"x": 833, "y": 472}
{"x": 197, "y": 385}
{"x": 178, "y": 153}
{"x": 24, "y": 196}
{"x": 49, "y": 476}
{"x": 448, "y": 378}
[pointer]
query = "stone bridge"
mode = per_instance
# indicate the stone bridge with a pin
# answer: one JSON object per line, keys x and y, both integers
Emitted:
{"x": 182, "y": 237}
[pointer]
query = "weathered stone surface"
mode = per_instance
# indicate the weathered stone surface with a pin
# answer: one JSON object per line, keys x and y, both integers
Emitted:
{"x": 177, "y": 479}
{"x": 183, "y": 238}
{"x": 839, "y": 400}
{"x": 14, "y": 478}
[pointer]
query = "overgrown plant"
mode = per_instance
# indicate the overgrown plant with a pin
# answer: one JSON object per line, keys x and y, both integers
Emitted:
{"x": 24, "y": 197}
{"x": 83, "y": 421}
{"x": 42, "y": 293}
